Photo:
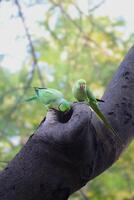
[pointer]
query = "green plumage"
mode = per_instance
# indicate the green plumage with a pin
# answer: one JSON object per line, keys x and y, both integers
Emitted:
{"x": 82, "y": 93}
{"x": 51, "y": 98}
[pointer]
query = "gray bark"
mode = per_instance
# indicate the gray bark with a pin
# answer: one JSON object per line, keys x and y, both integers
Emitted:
{"x": 68, "y": 150}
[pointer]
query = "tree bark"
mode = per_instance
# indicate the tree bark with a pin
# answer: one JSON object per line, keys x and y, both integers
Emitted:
{"x": 68, "y": 150}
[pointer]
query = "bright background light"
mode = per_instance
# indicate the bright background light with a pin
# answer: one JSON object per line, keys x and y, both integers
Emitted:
{"x": 13, "y": 42}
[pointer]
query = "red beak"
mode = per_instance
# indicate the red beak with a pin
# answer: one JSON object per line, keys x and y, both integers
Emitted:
{"x": 82, "y": 86}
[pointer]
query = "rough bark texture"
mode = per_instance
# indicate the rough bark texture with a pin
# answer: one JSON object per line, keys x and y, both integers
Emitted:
{"x": 68, "y": 150}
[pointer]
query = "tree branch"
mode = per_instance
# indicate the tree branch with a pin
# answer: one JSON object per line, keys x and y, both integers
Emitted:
{"x": 35, "y": 60}
{"x": 66, "y": 14}
{"x": 96, "y": 6}
{"x": 84, "y": 196}
{"x": 34, "y": 65}
{"x": 88, "y": 40}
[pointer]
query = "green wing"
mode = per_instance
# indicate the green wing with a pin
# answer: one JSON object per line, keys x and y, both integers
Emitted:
{"x": 48, "y": 95}
{"x": 90, "y": 96}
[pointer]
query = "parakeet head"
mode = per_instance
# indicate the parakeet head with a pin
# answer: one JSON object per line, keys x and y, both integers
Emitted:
{"x": 81, "y": 84}
{"x": 64, "y": 106}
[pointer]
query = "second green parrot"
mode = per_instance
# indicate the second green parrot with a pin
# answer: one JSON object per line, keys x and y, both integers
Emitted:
{"x": 82, "y": 93}
{"x": 51, "y": 98}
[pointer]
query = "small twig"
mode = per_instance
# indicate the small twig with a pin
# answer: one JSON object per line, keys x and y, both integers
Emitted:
{"x": 53, "y": 34}
{"x": 66, "y": 14}
{"x": 85, "y": 36}
{"x": 79, "y": 11}
{"x": 84, "y": 195}
{"x": 96, "y": 6}
{"x": 34, "y": 65}
{"x": 35, "y": 60}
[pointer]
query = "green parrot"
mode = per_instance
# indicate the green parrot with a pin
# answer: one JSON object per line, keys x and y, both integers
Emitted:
{"x": 82, "y": 93}
{"x": 51, "y": 98}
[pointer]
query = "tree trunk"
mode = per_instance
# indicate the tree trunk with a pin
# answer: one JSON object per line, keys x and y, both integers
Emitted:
{"x": 68, "y": 150}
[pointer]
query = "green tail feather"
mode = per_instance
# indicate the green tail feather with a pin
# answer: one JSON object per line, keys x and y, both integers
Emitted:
{"x": 31, "y": 99}
{"x": 105, "y": 121}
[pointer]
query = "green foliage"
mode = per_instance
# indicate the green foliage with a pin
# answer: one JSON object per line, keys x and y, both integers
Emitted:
{"x": 73, "y": 47}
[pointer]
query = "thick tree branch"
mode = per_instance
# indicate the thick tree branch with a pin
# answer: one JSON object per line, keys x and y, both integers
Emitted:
{"x": 68, "y": 150}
